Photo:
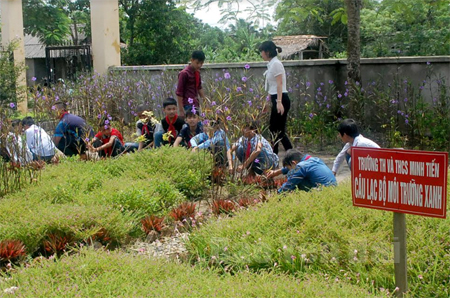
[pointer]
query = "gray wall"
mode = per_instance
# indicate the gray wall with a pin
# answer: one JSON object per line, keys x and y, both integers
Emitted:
{"x": 383, "y": 70}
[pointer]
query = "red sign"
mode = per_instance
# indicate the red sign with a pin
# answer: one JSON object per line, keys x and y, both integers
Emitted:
{"x": 404, "y": 181}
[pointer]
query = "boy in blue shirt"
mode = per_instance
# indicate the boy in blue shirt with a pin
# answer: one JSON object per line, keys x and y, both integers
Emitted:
{"x": 70, "y": 133}
{"x": 303, "y": 172}
{"x": 213, "y": 138}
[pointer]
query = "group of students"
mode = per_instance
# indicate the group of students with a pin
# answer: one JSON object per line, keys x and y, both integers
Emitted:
{"x": 181, "y": 126}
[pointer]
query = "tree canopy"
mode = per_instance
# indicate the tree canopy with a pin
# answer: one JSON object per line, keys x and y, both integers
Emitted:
{"x": 159, "y": 31}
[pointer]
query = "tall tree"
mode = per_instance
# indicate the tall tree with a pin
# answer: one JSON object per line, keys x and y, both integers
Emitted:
{"x": 56, "y": 21}
{"x": 317, "y": 17}
{"x": 354, "y": 40}
{"x": 161, "y": 33}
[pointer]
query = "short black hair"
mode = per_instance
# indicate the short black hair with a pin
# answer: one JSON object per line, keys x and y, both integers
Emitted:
{"x": 349, "y": 127}
{"x": 15, "y": 123}
{"x": 62, "y": 105}
{"x": 141, "y": 108}
{"x": 169, "y": 102}
{"x": 190, "y": 114}
{"x": 252, "y": 125}
{"x": 215, "y": 123}
{"x": 198, "y": 55}
{"x": 103, "y": 122}
{"x": 269, "y": 47}
{"x": 27, "y": 121}
{"x": 292, "y": 155}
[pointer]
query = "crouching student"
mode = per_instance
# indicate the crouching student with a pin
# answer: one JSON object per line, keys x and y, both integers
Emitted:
{"x": 70, "y": 132}
{"x": 38, "y": 141}
{"x": 171, "y": 124}
{"x": 213, "y": 138}
{"x": 14, "y": 148}
{"x": 254, "y": 152}
{"x": 192, "y": 128}
{"x": 303, "y": 172}
{"x": 349, "y": 133}
{"x": 145, "y": 129}
{"x": 108, "y": 142}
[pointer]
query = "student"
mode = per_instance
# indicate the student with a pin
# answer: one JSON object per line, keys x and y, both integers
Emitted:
{"x": 192, "y": 128}
{"x": 303, "y": 172}
{"x": 190, "y": 84}
{"x": 108, "y": 142}
{"x": 14, "y": 147}
{"x": 171, "y": 125}
{"x": 213, "y": 138}
{"x": 70, "y": 132}
{"x": 349, "y": 133}
{"x": 145, "y": 127}
{"x": 275, "y": 85}
{"x": 38, "y": 141}
{"x": 254, "y": 151}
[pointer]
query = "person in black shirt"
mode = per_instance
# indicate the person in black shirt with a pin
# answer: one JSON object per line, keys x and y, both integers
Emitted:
{"x": 171, "y": 124}
{"x": 191, "y": 128}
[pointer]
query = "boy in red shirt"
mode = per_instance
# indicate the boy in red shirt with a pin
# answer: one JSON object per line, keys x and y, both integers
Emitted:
{"x": 108, "y": 142}
{"x": 190, "y": 85}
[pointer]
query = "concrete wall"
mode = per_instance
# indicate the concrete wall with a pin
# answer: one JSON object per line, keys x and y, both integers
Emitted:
{"x": 384, "y": 70}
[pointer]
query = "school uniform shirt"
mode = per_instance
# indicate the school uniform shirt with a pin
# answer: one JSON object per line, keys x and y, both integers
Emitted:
{"x": 17, "y": 149}
{"x": 145, "y": 129}
{"x": 274, "y": 69}
{"x": 187, "y": 135}
{"x": 202, "y": 141}
{"x": 178, "y": 125}
{"x": 189, "y": 82}
{"x": 105, "y": 139}
{"x": 39, "y": 141}
{"x": 70, "y": 126}
{"x": 359, "y": 141}
{"x": 266, "y": 156}
{"x": 309, "y": 173}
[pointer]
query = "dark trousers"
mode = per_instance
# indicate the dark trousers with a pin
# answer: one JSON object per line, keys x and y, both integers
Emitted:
{"x": 277, "y": 125}
{"x": 70, "y": 146}
{"x": 117, "y": 148}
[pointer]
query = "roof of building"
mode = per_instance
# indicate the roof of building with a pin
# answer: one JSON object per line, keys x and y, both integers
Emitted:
{"x": 33, "y": 47}
{"x": 294, "y": 44}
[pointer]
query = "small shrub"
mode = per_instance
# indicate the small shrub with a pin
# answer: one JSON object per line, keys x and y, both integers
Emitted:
{"x": 152, "y": 223}
{"x": 223, "y": 206}
{"x": 102, "y": 236}
{"x": 246, "y": 202}
{"x": 57, "y": 242}
{"x": 185, "y": 211}
{"x": 11, "y": 250}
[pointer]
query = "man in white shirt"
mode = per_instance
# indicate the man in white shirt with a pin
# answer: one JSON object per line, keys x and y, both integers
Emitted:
{"x": 348, "y": 131}
{"x": 38, "y": 141}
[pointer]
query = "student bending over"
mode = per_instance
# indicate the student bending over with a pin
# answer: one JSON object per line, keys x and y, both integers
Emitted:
{"x": 303, "y": 172}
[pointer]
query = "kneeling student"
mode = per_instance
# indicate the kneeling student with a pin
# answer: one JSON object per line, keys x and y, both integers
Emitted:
{"x": 254, "y": 151}
{"x": 303, "y": 172}
{"x": 108, "y": 142}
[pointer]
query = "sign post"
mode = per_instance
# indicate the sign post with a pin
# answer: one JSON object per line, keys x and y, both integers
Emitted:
{"x": 402, "y": 181}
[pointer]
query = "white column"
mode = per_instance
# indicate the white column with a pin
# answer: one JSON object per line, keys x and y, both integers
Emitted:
{"x": 12, "y": 31}
{"x": 105, "y": 34}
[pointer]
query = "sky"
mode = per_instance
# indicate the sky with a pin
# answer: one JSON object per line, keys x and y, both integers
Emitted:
{"x": 211, "y": 15}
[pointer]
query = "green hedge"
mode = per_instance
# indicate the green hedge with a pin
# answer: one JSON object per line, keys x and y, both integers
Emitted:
{"x": 321, "y": 232}
{"x": 80, "y": 198}
{"x": 115, "y": 274}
